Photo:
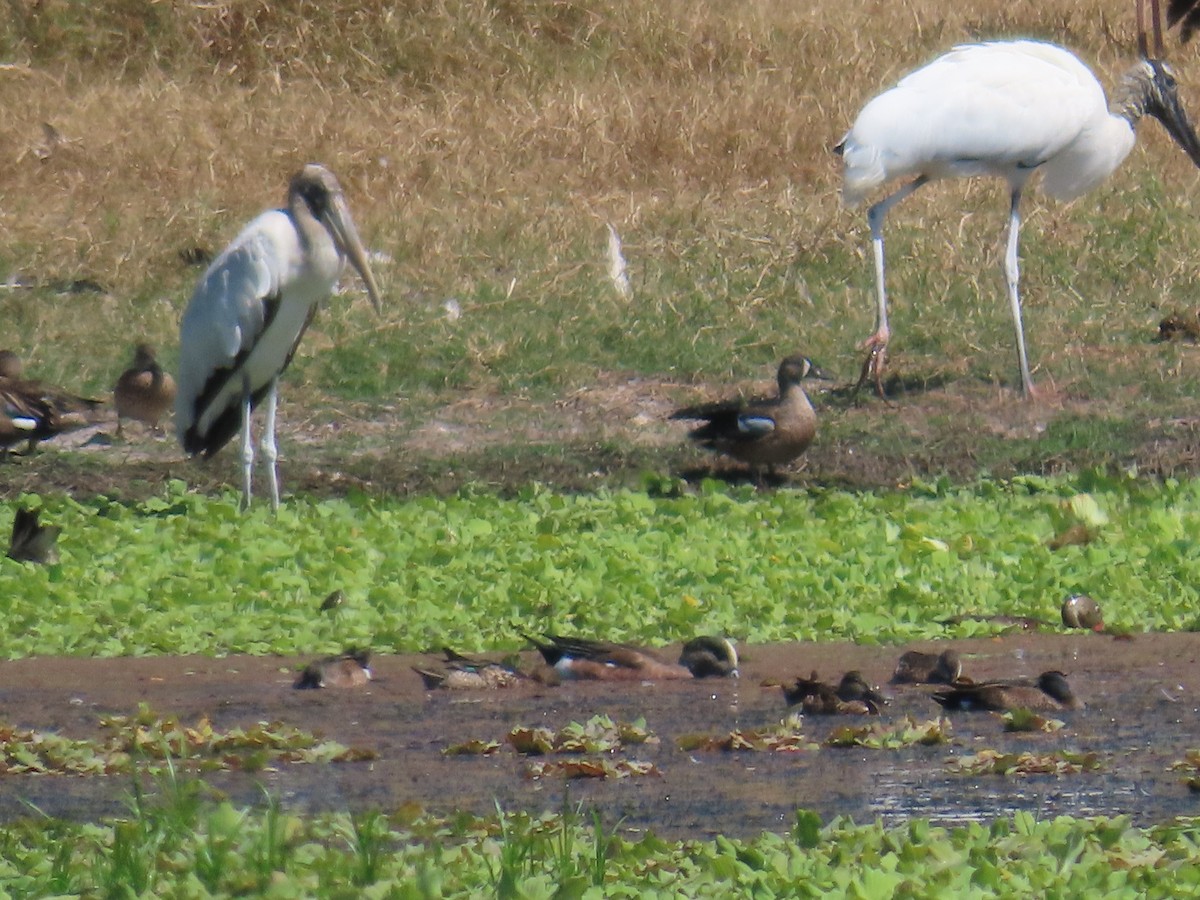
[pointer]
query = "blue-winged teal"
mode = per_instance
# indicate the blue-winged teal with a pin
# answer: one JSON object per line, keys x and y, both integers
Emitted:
{"x": 915, "y": 667}
{"x": 32, "y": 542}
{"x": 1081, "y": 611}
{"x": 463, "y": 673}
{"x": 144, "y": 391}
{"x": 31, "y": 411}
{"x": 1050, "y": 691}
{"x": 853, "y": 696}
{"x": 350, "y": 669}
{"x": 580, "y": 659}
{"x": 765, "y": 432}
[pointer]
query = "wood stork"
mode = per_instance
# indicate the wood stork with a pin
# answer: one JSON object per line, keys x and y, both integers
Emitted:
{"x": 765, "y": 432}
{"x": 1006, "y": 109}
{"x": 249, "y": 311}
{"x": 144, "y": 391}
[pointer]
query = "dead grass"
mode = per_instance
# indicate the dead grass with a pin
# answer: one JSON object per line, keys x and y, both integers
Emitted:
{"x": 484, "y": 146}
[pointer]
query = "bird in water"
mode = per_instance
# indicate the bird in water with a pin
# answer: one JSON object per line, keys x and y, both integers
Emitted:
{"x": 143, "y": 391}
{"x": 916, "y": 667}
{"x": 852, "y": 697}
{"x": 1050, "y": 691}
{"x": 1006, "y": 109}
{"x": 249, "y": 312}
{"x": 349, "y": 669}
{"x": 581, "y": 659}
{"x": 764, "y": 432}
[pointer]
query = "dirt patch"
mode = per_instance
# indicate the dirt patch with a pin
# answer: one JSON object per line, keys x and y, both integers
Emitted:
{"x": 1140, "y": 717}
{"x": 616, "y": 431}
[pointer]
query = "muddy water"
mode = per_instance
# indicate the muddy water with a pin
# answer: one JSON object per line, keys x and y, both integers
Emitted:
{"x": 1141, "y": 715}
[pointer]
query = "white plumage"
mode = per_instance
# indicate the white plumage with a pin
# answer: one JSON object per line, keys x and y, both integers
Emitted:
{"x": 249, "y": 311}
{"x": 1006, "y": 109}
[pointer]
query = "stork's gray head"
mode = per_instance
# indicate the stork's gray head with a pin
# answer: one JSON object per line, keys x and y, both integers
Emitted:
{"x": 319, "y": 190}
{"x": 1150, "y": 89}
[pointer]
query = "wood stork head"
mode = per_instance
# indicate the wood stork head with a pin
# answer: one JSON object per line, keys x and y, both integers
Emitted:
{"x": 1150, "y": 88}
{"x": 1155, "y": 92}
{"x": 318, "y": 190}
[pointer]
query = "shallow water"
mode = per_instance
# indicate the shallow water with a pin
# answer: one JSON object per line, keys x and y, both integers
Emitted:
{"x": 1141, "y": 716}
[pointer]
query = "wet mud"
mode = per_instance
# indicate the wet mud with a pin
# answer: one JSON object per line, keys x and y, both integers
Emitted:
{"x": 1141, "y": 716}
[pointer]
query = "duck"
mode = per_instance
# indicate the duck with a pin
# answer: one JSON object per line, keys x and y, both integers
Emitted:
{"x": 32, "y": 411}
{"x": 853, "y": 696}
{"x": 349, "y": 669}
{"x": 1081, "y": 611}
{"x": 144, "y": 391}
{"x": 1050, "y": 691}
{"x": 764, "y": 432}
{"x": 31, "y": 541}
{"x": 463, "y": 673}
{"x": 917, "y": 667}
{"x": 580, "y": 659}
{"x": 11, "y": 365}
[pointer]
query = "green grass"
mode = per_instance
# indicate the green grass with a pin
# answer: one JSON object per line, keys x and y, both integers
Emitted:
{"x": 181, "y": 573}
{"x": 184, "y": 843}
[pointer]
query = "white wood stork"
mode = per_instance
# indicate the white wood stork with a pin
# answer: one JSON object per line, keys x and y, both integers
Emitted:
{"x": 249, "y": 311}
{"x": 1007, "y": 109}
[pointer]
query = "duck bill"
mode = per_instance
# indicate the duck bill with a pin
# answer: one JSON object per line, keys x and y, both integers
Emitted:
{"x": 339, "y": 221}
{"x": 1170, "y": 112}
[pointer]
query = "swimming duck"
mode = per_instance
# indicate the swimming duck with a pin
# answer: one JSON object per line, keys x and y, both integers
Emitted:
{"x": 1081, "y": 611}
{"x": 764, "y": 432}
{"x": 915, "y": 667}
{"x": 464, "y": 673}
{"x": 350, "y": 669}
{"x": 853, "y": 696}
{"x": 580, "y": 659}
{"x": 1050, "y": 691}
{"x": 144, "y": 391}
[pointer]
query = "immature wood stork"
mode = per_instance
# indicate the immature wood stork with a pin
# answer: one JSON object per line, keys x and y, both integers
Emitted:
{"x": 144, "y": 391}
{"x": 1007, "y": 109}
{"x": 249, "y": 311}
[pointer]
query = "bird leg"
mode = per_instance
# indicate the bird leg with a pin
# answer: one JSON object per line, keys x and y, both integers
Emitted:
{"x": 1012, "y": 274}
{"x": 247, "y": 445}
{"x": 876, "y": 344}
{"x": 269, "y": 450}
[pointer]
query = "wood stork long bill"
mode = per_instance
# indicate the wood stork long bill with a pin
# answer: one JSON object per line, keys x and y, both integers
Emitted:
{"x": 1006, "y": 109}
{"x": 249, "y": 311}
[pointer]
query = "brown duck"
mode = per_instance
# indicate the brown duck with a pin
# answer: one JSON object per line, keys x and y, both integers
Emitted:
{"x": 31, "y": 411}
{"x": 1081, "y": 611}
{"x": 462, "y": 673}
{"x": 144, "y": 391}
{"x": 580, "y": 659}
{"x": 916, "y": 667}
{"x": 350, "y": 669}
{"x": 852, "y": 697}
{"x": 765, "y": 432}
{"x": 1050, "y": 691}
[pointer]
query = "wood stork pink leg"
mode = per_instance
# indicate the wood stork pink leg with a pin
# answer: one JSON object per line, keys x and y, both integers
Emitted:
{"x": 876, "y": 344}
{"x": 247, "y": 444}
{"x": 1012, "y": 275}
{"x": 269, "y": 449}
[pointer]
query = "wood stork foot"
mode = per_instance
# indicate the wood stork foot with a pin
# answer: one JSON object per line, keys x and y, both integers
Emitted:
{"x": 872, "y": 368}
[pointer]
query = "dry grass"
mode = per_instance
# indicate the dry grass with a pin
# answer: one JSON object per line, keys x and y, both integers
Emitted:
{"x": 484, "y": 146}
